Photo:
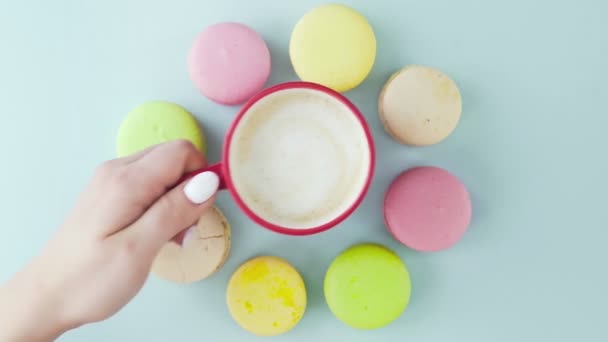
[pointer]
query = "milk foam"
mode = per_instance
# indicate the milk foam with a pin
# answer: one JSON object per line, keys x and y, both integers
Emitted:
{"x": 298, "y": 158}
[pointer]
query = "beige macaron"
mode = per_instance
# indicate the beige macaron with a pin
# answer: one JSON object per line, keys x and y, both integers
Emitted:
{"x": 203, "y": 251}
{"x": 419, "y": 106}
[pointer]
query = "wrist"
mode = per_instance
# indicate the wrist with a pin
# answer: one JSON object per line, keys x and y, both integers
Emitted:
{"x": 28, "y": 310}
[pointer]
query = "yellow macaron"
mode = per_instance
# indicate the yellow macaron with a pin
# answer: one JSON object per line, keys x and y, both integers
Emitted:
{"x": 266, "y": 296}
{"x": 334, "y": 46}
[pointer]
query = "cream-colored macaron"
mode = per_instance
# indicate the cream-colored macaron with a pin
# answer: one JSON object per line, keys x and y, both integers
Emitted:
{"x": 419, "y": 106}
{"x": 203, "y": 251}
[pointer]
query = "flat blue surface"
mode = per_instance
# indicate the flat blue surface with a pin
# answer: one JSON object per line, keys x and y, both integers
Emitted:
{"x": 531, "y": 148}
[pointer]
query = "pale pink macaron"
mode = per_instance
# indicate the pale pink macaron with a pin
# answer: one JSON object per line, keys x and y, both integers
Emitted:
{"x": 229, "y": 63}
{"x": 427, "y": 209}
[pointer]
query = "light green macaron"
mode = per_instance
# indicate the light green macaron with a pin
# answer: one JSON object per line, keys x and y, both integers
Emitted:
{"x": 156, "y": 122}
{"x": 367, "y": 286}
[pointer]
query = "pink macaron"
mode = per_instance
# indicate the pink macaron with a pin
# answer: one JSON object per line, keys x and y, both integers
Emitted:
{"x": 427, "y": 209}
{"x": 229, "y": 63}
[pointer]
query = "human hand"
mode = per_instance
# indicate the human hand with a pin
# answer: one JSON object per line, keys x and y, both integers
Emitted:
{"x": 101, "y": 255}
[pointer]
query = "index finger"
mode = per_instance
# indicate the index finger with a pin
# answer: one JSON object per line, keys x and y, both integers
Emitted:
{"x": 162, "y": 168}
{"x": 143, "y": 181}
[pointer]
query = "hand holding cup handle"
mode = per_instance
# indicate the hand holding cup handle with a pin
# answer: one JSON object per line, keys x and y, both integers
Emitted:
{"x": 301, "y": 133}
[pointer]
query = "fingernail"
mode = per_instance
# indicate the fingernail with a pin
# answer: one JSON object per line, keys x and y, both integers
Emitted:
{"x": 188, "y": 235}
{"x": 201, "y": 187}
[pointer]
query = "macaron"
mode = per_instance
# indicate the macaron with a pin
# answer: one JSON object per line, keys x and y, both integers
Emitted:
{"x": 228, "y": 63}
{"x": 266, "y": 296}
{"x": 155, "y": 122}
{"x": 203, "y": 251}
{"x": 333, "y": 45}
{"x": 427, "y": 209}
{"x": 367, "y": 286}
{"x": 419, "y": 106}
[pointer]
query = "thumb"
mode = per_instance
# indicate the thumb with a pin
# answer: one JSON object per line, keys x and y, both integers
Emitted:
{"x": 176, "y": 210}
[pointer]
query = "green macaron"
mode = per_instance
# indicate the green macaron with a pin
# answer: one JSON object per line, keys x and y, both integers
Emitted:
{"x": 367, "y": 286}
{"x": 156, "y": 122}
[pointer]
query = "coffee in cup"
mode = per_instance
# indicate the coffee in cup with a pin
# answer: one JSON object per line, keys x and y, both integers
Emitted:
{"x": 298, "y": 158}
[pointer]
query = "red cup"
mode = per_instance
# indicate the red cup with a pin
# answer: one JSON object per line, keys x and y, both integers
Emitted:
{"x": 222, "y": 169}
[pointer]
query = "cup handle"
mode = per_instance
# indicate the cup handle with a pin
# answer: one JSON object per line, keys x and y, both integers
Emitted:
{"x": 215, "y": 168}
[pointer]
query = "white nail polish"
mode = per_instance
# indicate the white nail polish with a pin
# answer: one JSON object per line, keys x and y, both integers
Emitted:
{"x": 201, "y": 187}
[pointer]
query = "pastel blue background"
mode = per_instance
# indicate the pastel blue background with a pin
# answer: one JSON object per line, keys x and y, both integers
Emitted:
{"x": 531, "y": 148}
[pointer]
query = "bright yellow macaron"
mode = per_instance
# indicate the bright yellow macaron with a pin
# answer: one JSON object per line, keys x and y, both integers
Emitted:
{"x": 266, "y": 296}
{"x": 334, "y": 46}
